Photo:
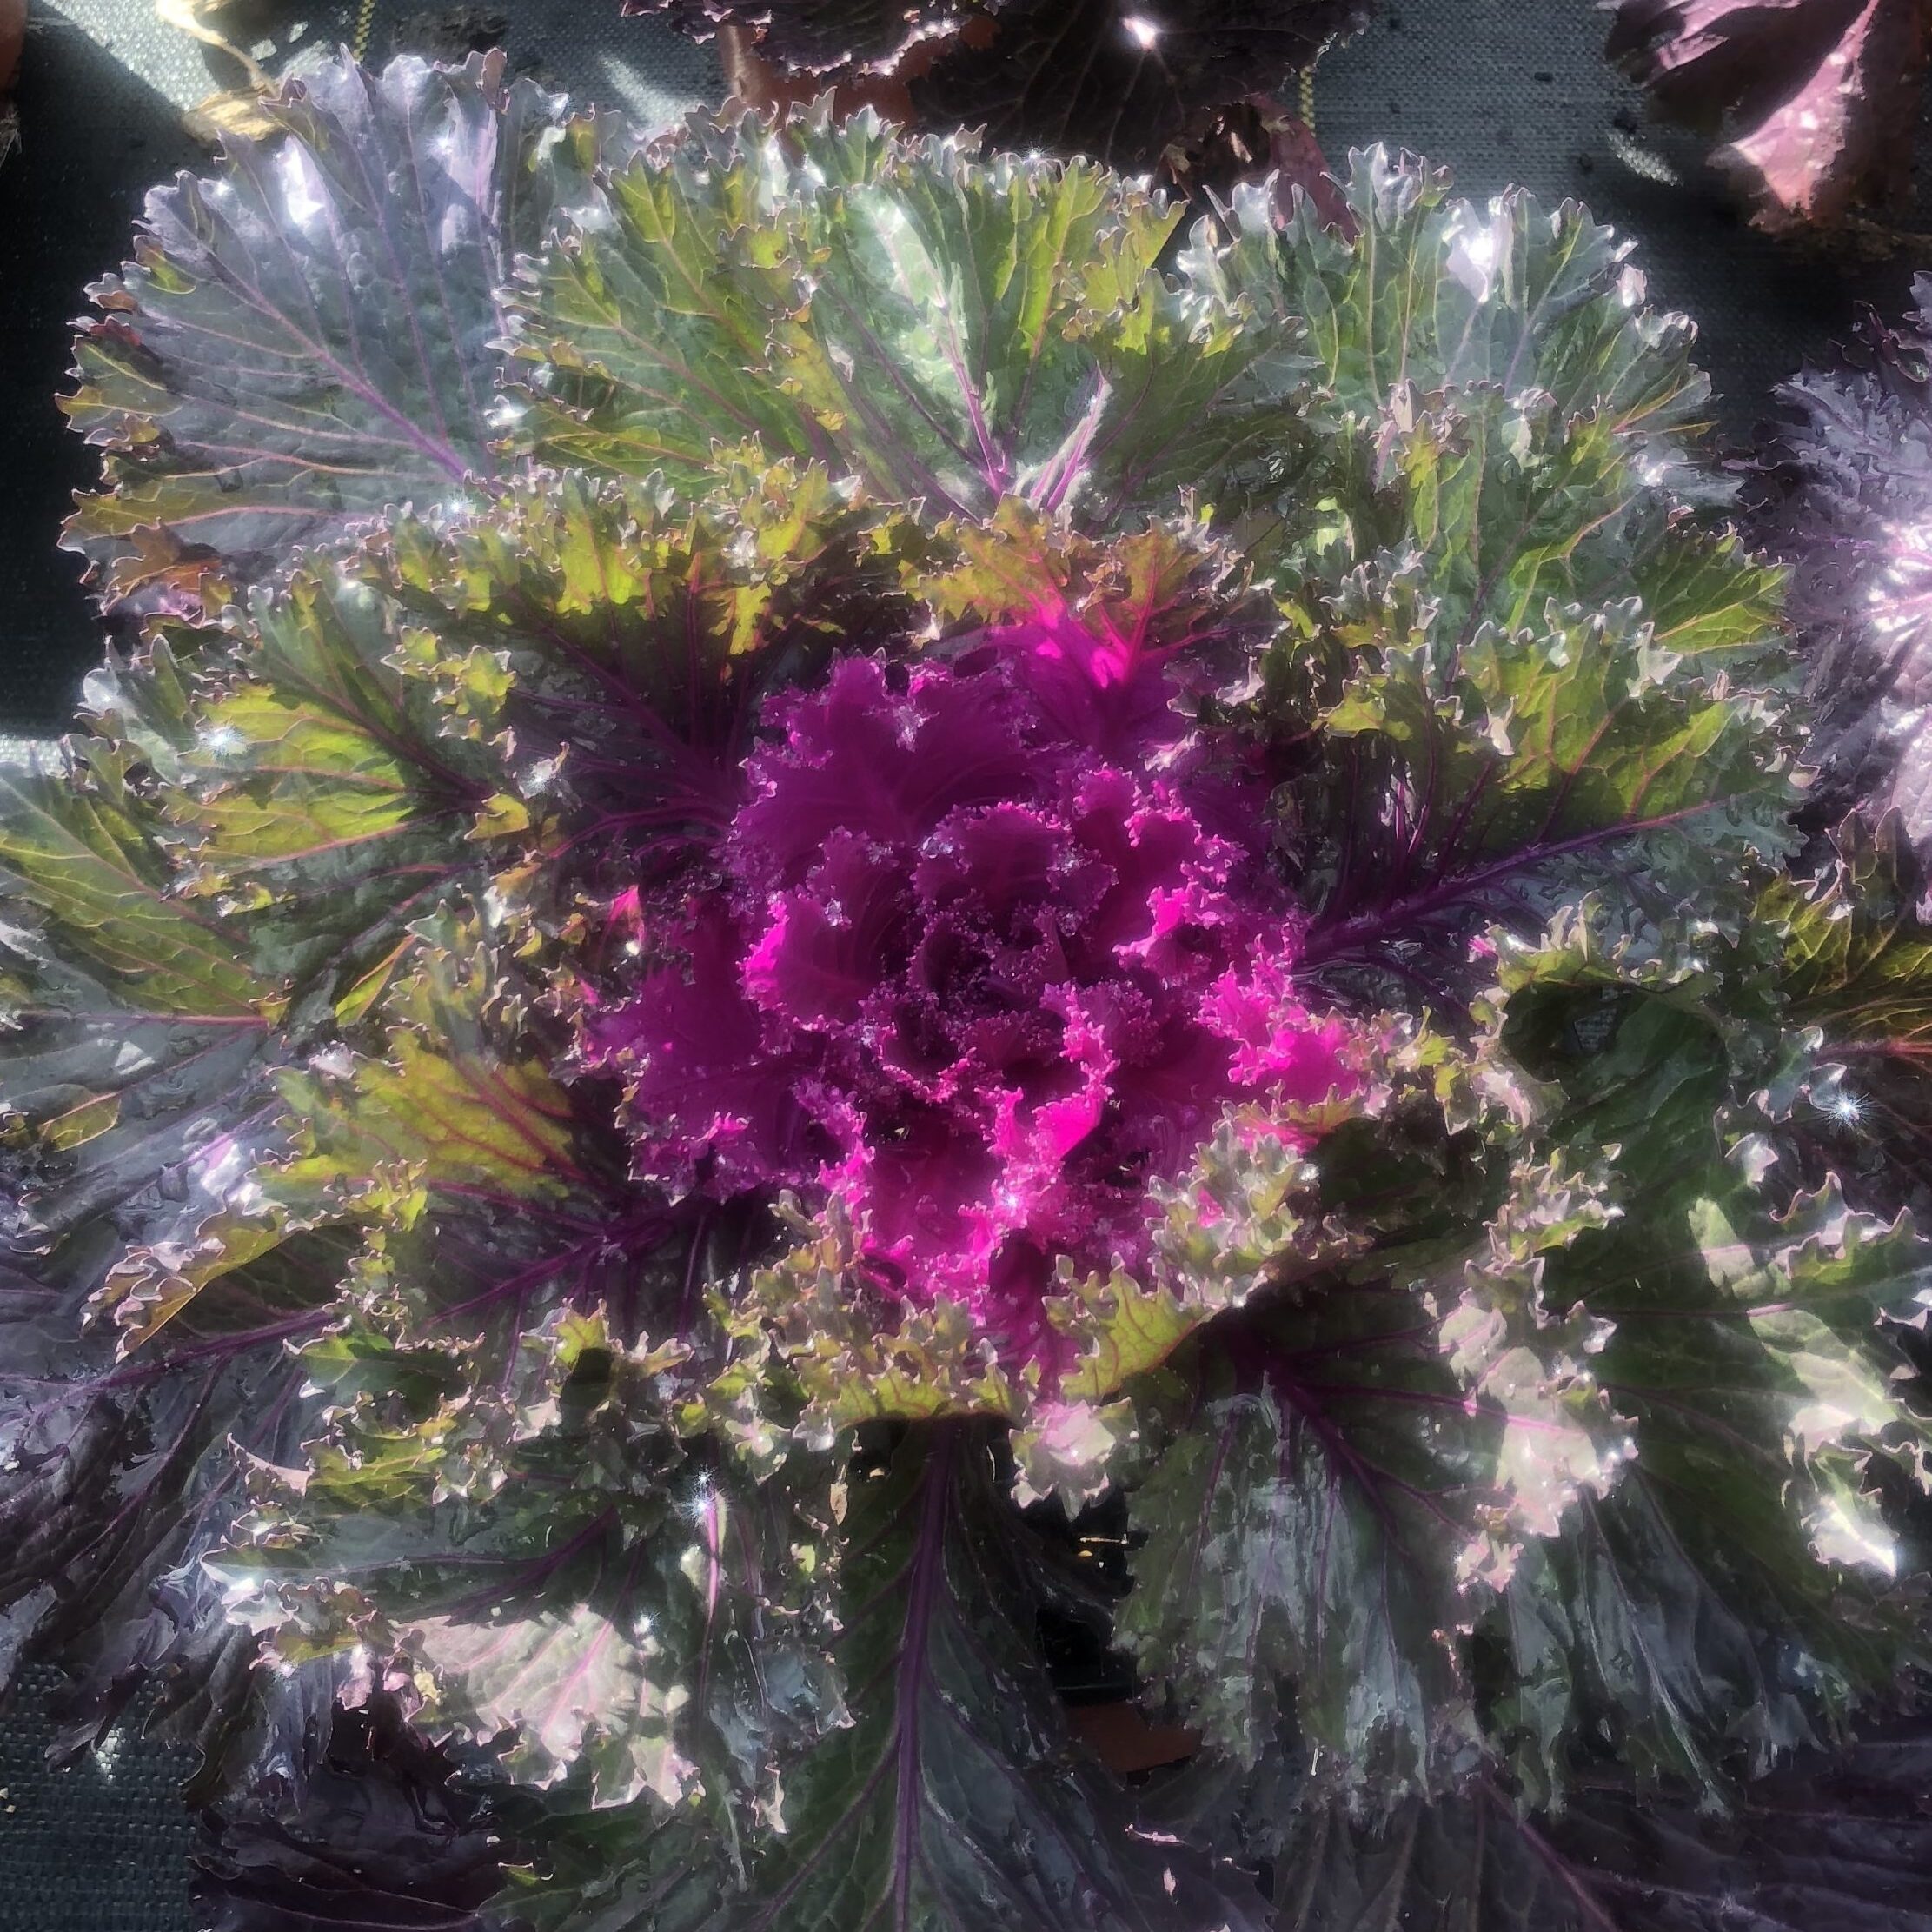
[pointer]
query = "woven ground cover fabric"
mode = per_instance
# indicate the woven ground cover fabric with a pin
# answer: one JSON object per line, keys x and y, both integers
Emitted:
{"x": 102, "y": 1846}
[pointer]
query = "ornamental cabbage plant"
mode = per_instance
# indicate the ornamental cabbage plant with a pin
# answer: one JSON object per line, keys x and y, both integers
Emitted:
{"x": 841, "y": 945}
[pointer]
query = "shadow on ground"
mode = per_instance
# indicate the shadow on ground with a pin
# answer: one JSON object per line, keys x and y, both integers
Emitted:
{"x": 92, "y": 137}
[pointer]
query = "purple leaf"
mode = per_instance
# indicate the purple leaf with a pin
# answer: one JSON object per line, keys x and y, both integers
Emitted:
{"x": 970, "y": 981}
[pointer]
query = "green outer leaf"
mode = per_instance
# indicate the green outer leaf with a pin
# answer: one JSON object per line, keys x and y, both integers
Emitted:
{"x": 1858, "y": 960}
{"x": 1284, "y": 1547}
{"x": 457, "y": 1107}
{"x": 1367, "y": 1452}
{"x": 460, "y": 1110}
{"x": 935, "y": 345}
{"x": 309, "y": 337}
{"x": 1741, "y": 1566}
{"x": 323, "y": 800}
{"x": 135, "y": 1060}
{"x": 1509, "y": 438}
{"x": 1837, "y": 1839}
{"x": 76, "y": 846}
{"x": 624, "y": 636}
{"x": 1439, "y": 294}
{"x": 548, "y": 1559}
{"x": 1573, "y": 765}
{"x": 1169, "y": 587}
{"x": 1618, "y": 1625}
{"x": 1498, "y": 363}
{"x": 1857, "y": 965}
{"x": 950, "y": 331}
{"x": 1745, "y": 1565}
{"x": 571, "y": 1685}
{"x": 852, "y": 1358}
{"x": 955, "y": 1797}
{"x": 1261, "y": 1564}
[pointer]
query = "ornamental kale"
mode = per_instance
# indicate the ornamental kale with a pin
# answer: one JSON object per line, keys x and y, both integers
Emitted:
{"x": 841, "y": 923}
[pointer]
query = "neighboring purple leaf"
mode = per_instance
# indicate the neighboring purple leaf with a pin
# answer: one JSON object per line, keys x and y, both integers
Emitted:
{"x": 1119, "y": 81}
{"x": 1138, "y": 84}
{"x": 1259, "y": 137}
{"x": 823, "y": 38}
{"x": 1818, "y": 98}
